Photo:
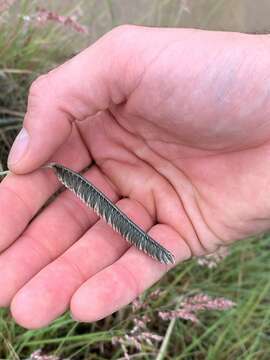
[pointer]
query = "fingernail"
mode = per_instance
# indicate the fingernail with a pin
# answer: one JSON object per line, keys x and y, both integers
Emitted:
{"x": 19, "y": 147}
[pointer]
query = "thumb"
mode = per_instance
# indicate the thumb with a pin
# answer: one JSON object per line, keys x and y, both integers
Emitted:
{"x": 75, "y": 90}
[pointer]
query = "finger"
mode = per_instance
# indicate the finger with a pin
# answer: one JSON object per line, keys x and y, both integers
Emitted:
{"x": 79, "y": 88}
{"x": 120, "y": 283}
{"x": 48, "y": 294}
{"x": 48, "y": 236}
{"x": 22, "y": 196}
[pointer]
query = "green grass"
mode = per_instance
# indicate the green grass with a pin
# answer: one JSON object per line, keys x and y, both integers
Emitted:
{"x": 240, "y": 333}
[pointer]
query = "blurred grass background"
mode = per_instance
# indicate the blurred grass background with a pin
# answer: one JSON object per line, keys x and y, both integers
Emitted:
{"x": 29, "y": 47}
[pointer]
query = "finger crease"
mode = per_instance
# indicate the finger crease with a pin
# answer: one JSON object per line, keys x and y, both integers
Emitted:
{"x": 26, "y": 206}
{"x": 130, "y": 276}
{"x": 74, "y": 267}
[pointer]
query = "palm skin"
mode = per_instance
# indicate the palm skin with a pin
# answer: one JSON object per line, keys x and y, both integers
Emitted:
{"x": 176, "y": 122}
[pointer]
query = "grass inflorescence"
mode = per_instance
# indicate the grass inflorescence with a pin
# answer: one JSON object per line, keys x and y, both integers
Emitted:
{"x": 238, "y": 333}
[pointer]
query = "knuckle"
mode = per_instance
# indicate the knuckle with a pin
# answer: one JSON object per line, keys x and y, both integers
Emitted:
{"x": 39, "y": 85}
{"x": 123, "y": 32}
{"x": 120, "y": 34}
{"x": 123, "y": 28}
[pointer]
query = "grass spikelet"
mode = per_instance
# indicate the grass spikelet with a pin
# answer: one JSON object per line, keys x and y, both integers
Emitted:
{"x": 113, "y": 216}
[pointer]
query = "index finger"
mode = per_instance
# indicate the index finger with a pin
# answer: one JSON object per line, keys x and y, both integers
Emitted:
{"x": 22, "y": 196}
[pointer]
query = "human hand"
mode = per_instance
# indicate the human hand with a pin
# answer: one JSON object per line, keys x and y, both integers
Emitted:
{"x": 177, "y": 124}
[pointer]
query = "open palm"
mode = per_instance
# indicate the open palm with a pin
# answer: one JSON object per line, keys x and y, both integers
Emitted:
{"x": 176, "y": 122}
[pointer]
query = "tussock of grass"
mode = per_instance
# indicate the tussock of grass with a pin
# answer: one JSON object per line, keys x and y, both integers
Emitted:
{"x": 241, "y": 333}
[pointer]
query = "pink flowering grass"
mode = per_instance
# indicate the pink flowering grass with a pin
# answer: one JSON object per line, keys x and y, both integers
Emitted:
{"x": 39, "y": 355}
{"x": 188, "y": 309}
{"x": 43, "y": 16}
{"x": 190, "y": 306}
{"x": 212, "y": 260}
{"x": 5, "y": 5}
{"x": 138, "y": 336}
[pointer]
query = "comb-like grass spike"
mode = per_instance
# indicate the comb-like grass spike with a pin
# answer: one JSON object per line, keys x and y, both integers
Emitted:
{"x": 113, "y": 216}
{"x": 4, "y": 173}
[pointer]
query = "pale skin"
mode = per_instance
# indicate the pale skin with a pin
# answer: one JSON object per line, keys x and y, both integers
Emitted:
{"x": 177, "y": 123}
